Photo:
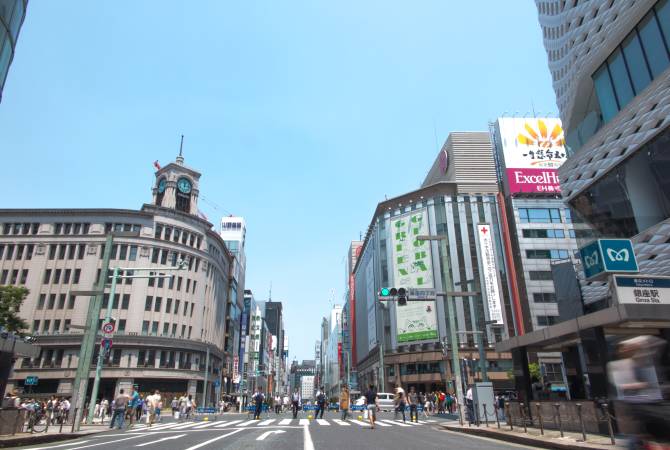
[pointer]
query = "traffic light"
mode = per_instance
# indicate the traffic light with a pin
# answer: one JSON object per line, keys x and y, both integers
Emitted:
{"x": 388, "y": 293}
{"x": 402, "y": 296}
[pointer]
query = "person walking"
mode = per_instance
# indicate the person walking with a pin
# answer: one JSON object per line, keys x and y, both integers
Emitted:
{"x": 320, "y": 402}
{"x": 258, "y": 398}
{"x": 133, "y": 403}
{"x": 371, "y": 401}
{"x": 295, "y": 403}
{"x": 119, "y": 411}
{"x": 277, "y": 404}
{"x": 344, "y": 401}
{"x": 153, "y": 406}
{"x": 413, "y": 400}
{"x": 399, "y": 403}
{"x": 470, "y": 406}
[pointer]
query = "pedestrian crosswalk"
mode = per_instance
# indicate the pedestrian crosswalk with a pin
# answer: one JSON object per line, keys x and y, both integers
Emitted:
{"x": 209, "y": 425}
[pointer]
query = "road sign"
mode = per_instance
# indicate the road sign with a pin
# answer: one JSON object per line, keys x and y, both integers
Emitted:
{"x": 422, "y": 294}
{"x": 108, "y": 327}
{"x": 31, "y": 380}
{"x": 605, "y": 256}
{"x": 106, "y": 343}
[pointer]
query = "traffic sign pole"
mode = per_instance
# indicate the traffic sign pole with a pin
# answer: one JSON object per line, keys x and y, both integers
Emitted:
{"x": 101, "y": 354}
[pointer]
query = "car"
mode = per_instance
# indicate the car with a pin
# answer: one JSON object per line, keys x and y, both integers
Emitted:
{"x": 386, "y": 401}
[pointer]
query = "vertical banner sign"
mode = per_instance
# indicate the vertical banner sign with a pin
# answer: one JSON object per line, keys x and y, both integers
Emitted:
{"x": 371, "y": 300}
{"x": 236, "y": 367}
{"x": 488, "y": 264}
{"x": 339, "y": 359}
{"x": 413, "y": 268}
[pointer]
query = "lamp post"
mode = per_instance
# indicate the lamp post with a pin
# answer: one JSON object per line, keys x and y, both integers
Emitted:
{"x": 446, "y": 282}
{"x": 116, "y": 275}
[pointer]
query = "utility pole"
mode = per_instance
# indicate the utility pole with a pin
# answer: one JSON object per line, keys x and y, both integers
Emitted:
{"x": 80, "y": 386}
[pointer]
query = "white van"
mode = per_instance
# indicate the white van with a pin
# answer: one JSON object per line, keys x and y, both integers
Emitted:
{"x": 386, "y": 401}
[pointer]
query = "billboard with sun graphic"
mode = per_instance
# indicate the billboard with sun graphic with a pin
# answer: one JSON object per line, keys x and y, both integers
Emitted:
{"x": 533, "y": 150}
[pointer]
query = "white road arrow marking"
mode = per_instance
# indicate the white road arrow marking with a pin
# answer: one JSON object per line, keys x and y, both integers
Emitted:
{"x": 268, "y": 433}
{"x": 161, "y": 440}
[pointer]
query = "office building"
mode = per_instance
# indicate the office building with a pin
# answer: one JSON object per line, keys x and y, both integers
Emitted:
{"x": 403, "y": 344}
{"x": 307, "y": 388}
{"x": 12, "y": 14}
{"x": 169, "y": 332}
{"x": 333, "y": 366}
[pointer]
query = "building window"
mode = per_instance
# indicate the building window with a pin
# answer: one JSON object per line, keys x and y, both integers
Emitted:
{"x": 176, "y": 306}
{"x": 540, "y": 275}
{"x": 148, "y": 302}
{"x": 540, "y": 215}
{"x": 52, "y": 301}
{"x": 3, "y": 278}
{"x": 61, "y": 301}
{"x": 125, "y": 301}
{"x": 47, "y": 276}
{"x": 157, "y": 305}
{"x": 545, "y": 321}
{"x": 145, "y": 327}
{"x": 70, "y": 302}
{"x": 77, "y": 274}
{"x": 122, "y": 325}
{"x": 544, "y": 297}
{"x": 24, "y": 276}
{"x": 132, "y": 256}
{"x": 547, "y": 254}
{"x": 168, "y": 305}
{"x": 40, "y": 302}
{"x": 154, "y": 327}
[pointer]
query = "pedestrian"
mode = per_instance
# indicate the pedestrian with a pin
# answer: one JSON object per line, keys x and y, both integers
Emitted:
{"x": 258, "y": 399}
{"x": 120, "y": 404}
{"x": 470, "y": 405}
{"x": 295, "y": 402}
{"x": 413, "y": 400}
{"x": 344, "y": 401}
{"x": 399, "y": 403}
{"x": 277, "y": 404}
{"x": 501, "y": 407}
{"x": 371, "y": 401}
{"x": 132, "y": 405}
{"x": 320, "y": 402}
{"x": 152, "y": 404}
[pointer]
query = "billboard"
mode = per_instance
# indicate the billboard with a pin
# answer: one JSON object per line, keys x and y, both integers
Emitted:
{"x": 490, "y": 272}
{"x": 412, "y": 266}
{"x": 533, "y": 150}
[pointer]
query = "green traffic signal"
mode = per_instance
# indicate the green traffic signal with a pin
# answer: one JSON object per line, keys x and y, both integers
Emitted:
{"x": 385, "y": 292}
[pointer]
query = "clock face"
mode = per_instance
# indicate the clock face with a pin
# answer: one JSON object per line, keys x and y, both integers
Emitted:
{"x": 184, "y": 185}
{"x": 161, "y": 185}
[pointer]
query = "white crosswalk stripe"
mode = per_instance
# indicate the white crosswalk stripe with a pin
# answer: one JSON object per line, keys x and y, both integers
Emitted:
{"x": 181, "y": 426}
{"x": 285, "y": 422}
{"x": 363, "y": 424}
{"x": 204, "y": 425}
{"x": 227, "y": 424}
{"x": 394, "y": 423}
{"x": 322, "y": 422}
{"x": 266, "y": 422}
{"x": 303, "y": 422}
{"x": 248, "y": 422}
{"x": 341, "y": 422}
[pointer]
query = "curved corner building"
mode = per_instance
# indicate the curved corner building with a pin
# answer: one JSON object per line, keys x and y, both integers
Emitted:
{"x": 12, "y": 14}
{"x": 609, "y": 61}
{"x": 171, "y": 333}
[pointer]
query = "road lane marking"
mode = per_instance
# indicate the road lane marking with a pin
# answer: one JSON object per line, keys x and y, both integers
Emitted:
{"x": 227, "y": 424}
{"x": 307, "y": 438}
{"x": 266, "y": 422}
{"x": 204, "y": 425}
{"x": 167, "y": 438}
{"x": 285, "y": 422}
{"x": 341, "y": 422}
{"x": 202, "y": 444}
{"x": 303, "y": 422}
{"x": 61, "y": 445}
{"x": 322, "y": 422}
{"x": 159, "y": 427}
{"x": 268, "y": 433}
{"x": 108, "y": 442}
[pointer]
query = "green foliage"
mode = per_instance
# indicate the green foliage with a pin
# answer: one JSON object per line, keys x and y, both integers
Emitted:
{"x": 11, "y": 299}
{"x": 534, "y": 369}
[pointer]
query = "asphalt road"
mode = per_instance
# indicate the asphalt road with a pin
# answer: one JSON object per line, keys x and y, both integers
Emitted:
{"x": 236, "y": 431}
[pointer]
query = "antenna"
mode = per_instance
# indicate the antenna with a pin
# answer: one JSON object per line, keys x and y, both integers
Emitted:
{"x": 181, "y": 145}
{"x": 270, "y": 297}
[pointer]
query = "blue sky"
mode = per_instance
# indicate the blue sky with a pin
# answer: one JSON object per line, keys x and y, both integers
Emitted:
{"x": 301, "y": 115}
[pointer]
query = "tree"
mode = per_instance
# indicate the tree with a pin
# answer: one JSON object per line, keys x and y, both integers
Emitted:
{"x": 534, "y": 369}
{"x": 11, "y": 299}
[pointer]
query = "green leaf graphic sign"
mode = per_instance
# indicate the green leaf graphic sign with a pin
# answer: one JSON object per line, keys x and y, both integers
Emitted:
{"x": 412, "y": 267}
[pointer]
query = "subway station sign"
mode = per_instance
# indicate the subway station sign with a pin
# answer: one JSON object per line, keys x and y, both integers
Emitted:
{"x": 638, "y": 290}
{"x": 605, "y": 256}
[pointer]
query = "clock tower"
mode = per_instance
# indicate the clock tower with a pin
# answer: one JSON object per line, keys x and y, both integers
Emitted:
{"x": 176, "y": 187}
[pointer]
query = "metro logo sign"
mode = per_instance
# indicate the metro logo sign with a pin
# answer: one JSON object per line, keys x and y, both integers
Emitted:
{"x": 533, "y": 150}
{"x": 533, "y": 180}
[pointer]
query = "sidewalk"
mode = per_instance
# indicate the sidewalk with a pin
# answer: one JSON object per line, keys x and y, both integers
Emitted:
{"x": 53, "y": 434}
{"x": 551, "y": 439}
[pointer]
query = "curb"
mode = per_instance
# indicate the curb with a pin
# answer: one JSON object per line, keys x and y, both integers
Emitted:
{"x": 43, "y": 438}
{"x": 524, "y": 440}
